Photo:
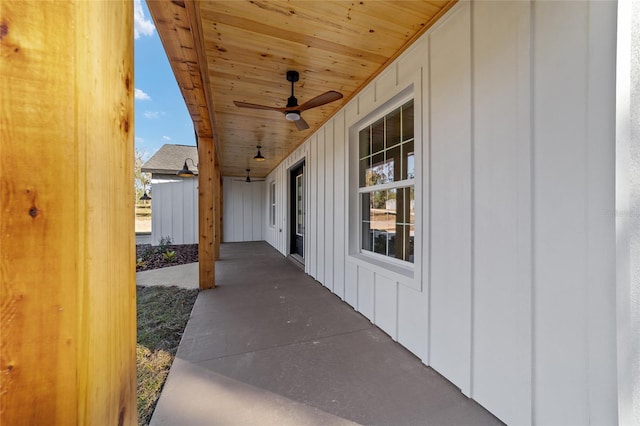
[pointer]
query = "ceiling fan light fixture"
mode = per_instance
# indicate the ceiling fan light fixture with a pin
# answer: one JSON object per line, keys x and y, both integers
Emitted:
{"x": 292, "y": 111}
{"x": 292, "y": 115}
{"x": 259, "y": 156}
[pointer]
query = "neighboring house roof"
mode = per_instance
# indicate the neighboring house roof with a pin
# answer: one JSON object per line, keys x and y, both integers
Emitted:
{"x": 170, "y": 158}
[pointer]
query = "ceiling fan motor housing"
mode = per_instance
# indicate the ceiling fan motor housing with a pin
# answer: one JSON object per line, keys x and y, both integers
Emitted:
{"x": 292, "y": 102}
{"x": 293, "y": 76}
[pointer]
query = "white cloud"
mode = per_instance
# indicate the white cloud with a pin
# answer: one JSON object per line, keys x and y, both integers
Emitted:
{"x": 166, "y": 138}
{"x": 139, "y": 139}
{"x": 154, "y": 115}
{"x": 141, "y": 25}
{"x": 141, "y": 95}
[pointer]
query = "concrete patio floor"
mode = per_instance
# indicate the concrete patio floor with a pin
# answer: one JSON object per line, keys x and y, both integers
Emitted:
{"x": 271, "y": 346}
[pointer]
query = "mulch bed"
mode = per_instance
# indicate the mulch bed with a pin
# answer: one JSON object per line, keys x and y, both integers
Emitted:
{"x": 154, "y": 257}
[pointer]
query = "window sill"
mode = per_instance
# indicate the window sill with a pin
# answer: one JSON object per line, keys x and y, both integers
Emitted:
{"x": 404, "y": 275}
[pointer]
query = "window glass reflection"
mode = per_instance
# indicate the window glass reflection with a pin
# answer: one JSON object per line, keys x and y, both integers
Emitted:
{"x": 392, "y": 122}
{"x": 407, "y": 121}
{"x": 377, "y": 136}
{"x": 365, "y": 145}
{"x": 386, "y": 156}
{"x": 408, "y": 161}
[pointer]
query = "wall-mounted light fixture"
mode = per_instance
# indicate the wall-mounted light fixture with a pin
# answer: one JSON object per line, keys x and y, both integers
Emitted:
{"x": 145, "y": 197}
{"x": 259, "y": 156}
{"x": 185, "y": 172}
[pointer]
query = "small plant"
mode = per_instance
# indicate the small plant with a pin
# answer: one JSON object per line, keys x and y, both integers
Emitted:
{"x": 169, "y": 256}
{"x": 165, "y": 242}
{"x": 140, "y": 263}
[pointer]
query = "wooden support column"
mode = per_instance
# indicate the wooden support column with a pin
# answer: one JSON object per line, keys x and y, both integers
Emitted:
{"x": 206, "y": 212}
{"x": 67, "y": 244}
{"x": 218, "y": 200}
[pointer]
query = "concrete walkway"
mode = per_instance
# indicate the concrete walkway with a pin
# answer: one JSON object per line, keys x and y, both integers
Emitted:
{"x": 185, "y": 276}
{"x": 271, "y": 346}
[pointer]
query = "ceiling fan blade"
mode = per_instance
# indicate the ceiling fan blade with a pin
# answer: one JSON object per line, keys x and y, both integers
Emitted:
{"x": 323, "y": 99}
{"x": 256, "y": 106}
{"x": 301, "y": 124}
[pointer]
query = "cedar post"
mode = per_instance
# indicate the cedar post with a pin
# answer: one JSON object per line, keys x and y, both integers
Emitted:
{"x": 68, "y": 320}
{"x": 206, "y": 212}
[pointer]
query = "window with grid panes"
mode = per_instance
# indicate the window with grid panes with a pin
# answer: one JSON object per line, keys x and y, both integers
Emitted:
{"x": 386, "y": 185}
{"x": 272, "y": 204}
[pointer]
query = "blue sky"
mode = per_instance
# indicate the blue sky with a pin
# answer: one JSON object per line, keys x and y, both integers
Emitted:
{"x": 161, "y": 115}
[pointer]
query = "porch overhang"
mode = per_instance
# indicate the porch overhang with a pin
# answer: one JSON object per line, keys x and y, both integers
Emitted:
{"x": 222, "y": 51}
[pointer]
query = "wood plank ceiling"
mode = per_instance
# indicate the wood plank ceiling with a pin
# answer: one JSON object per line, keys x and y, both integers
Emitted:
{"x": 240, "y": 50}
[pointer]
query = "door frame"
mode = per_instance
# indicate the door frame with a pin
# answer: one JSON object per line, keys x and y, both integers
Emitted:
{"x": 290, "y": 203}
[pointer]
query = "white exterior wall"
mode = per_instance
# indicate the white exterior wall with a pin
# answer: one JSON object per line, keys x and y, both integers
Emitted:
{"x": 174, "y": 209}
{"x": 277, "y": 235}
{"x": 243, "y": 210}
{"x": 513, "y": 294}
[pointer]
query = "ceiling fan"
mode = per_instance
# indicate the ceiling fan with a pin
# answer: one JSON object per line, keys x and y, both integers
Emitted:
{"x": 292, "y": 111}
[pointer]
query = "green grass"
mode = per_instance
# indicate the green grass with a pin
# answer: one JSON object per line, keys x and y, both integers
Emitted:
{"x": 163, "y": 313}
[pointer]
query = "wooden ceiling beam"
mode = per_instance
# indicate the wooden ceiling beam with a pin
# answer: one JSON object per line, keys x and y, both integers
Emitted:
{"x": 195, "y": 23}
{"x": 178, "y": 26}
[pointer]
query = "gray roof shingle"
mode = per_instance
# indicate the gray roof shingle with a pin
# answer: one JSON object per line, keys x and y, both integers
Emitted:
{"x": 170, "y": 158}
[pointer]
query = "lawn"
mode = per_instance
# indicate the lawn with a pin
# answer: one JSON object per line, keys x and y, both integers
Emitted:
{"x": 162, "y": 314}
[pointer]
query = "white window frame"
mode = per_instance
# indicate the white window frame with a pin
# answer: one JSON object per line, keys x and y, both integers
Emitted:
{"x": 405, "y": 272}
{"x": 388, "y": 108}
{"x": 272, "y": 204}
{"x": 400, "y": 184}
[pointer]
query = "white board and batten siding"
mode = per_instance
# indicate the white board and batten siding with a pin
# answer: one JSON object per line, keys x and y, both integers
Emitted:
{"x": 512, "y": 294}
{"x": 175, "y": 209}
{"x": 627, "y": 211}
{"x": 243, "y": 210}
{"x": 277, "y": 235}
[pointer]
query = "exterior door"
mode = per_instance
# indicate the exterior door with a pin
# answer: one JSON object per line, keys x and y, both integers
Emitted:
{"x": 297, "y": 214}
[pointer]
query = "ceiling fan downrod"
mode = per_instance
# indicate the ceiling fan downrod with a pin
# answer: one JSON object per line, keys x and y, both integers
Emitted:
{"x": 292, "y": 102}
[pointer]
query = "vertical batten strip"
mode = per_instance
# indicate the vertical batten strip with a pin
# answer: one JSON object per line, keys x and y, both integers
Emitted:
{"x": 627, "y": 227}
{"x": 472, "y": 201}
{"x": 600, "y": 226}
{"x": 321, "y": 237}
